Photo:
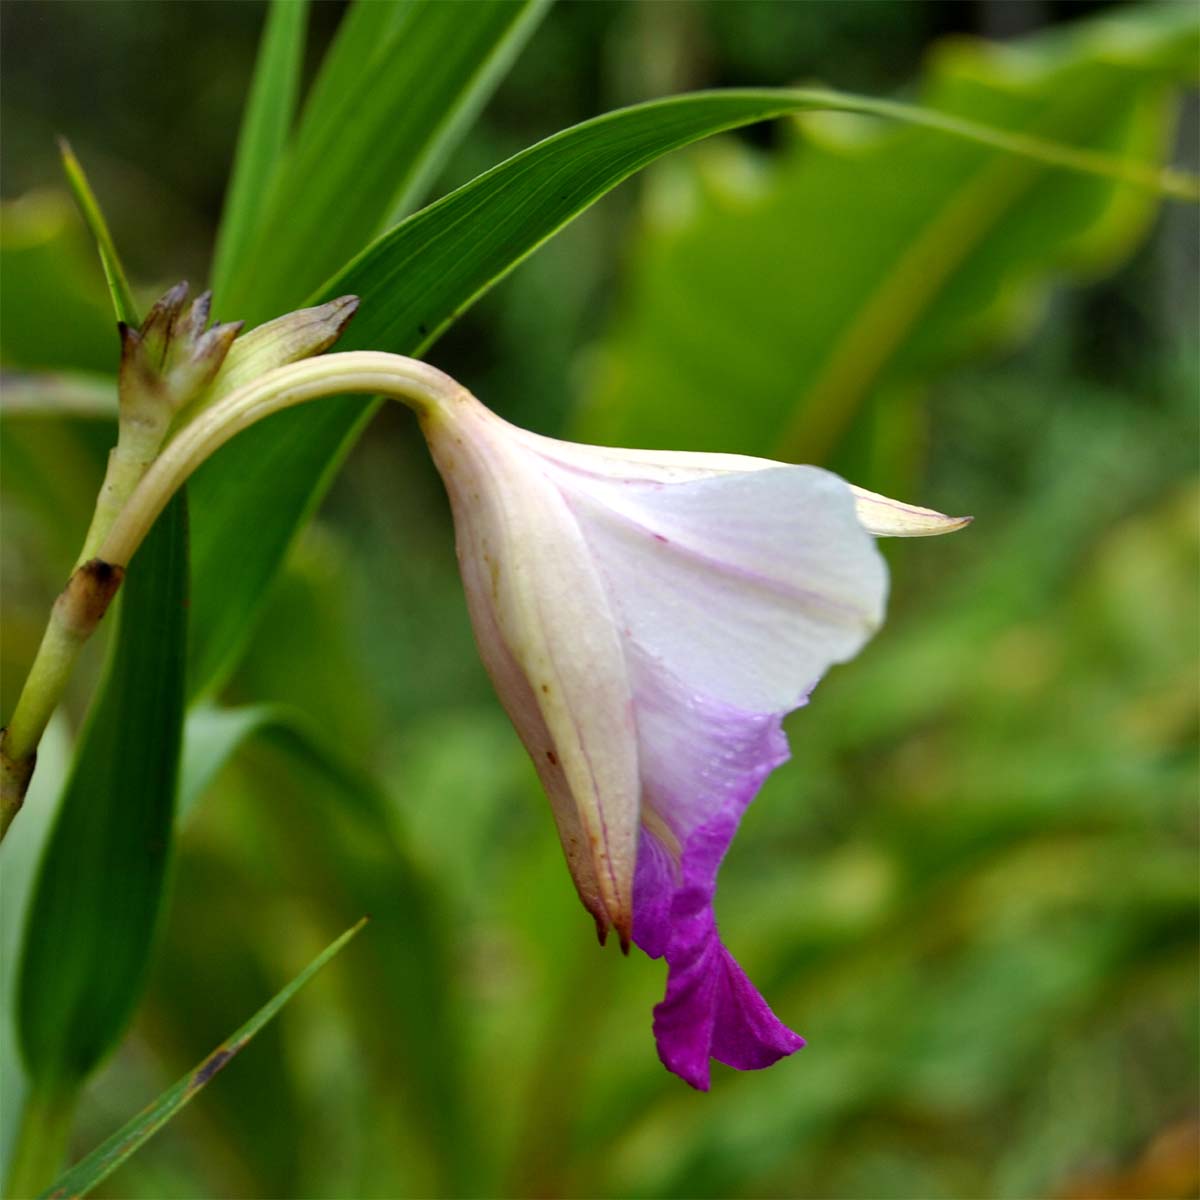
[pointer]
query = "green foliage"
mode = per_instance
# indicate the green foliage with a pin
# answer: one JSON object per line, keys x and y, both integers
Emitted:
{"x": 394, "y": 95}
{"x": 95, "y": 908}
{"x": 973, "y": 889}
{"x": 106, "y": 1158}
{"x": 266, "y": 126}
{"x": 56, "y": 312}
{"x": 114, "y": 272}
{"x": 922, "y": 249}
{"x": 413, "y": 282}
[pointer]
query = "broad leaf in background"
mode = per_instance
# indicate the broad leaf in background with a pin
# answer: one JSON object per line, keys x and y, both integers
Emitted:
{"x": 395, "y": 92}
{"x": 56, "y": 311}
{"x": 921, "y": 248}
{"x": 99, "y": 891}
{"x": 413, "y": 282}
{"x": 266, "y": 123}
{"x": 106, "y": 1158}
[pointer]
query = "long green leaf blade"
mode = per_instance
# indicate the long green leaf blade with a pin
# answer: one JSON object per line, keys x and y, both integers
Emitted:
{"x": 100, "y": 886}
{"x": 89, "y": 206}
{"x": 264, "y": 133}
{"x": 367, "y": 145}
{"x": 415, "y": 280}
{"x": 109, "y": 1155}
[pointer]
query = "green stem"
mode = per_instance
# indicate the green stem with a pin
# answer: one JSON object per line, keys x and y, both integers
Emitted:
{"x": 73, "y": 619}
{"x": 41, "y": 1145}
{"x": 143, "y": 492}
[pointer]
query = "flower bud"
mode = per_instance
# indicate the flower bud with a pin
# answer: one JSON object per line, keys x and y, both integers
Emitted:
{"x": 165, "y": 364}
{"x": 295, "y": 335}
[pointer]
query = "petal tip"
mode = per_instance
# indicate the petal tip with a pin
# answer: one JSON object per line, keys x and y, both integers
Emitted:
{"x": 883, "y": 517}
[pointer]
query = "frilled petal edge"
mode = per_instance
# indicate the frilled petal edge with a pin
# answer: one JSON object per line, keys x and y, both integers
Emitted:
{"x": 702, "y": 763}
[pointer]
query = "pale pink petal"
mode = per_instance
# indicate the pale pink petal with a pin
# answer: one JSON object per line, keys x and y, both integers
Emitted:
{"x": 552, "y": 646}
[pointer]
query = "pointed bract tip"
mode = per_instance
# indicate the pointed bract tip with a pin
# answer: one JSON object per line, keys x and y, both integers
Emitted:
{"x": 883, "y": 517}
{"x": 198, "y": 314}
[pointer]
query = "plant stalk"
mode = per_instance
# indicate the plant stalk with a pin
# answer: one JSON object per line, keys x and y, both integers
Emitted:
{"x": 143, "y": 493}
{"x": 41, "y": 1143}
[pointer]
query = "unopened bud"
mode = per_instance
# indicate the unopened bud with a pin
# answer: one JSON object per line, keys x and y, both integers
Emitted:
{"x": 166, "y": 364}
{"x": 295, "y": 335}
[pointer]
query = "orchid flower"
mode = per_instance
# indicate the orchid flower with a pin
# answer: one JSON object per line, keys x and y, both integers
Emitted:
{"x": 647, "y": 617}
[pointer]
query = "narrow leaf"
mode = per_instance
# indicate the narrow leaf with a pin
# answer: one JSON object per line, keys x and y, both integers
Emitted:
{"x": 100, "y": 886}
{"x": 109, "y": 1155}
{"x": 114, "y": 272}
{"x": 376, "y": 126}
{"x": 266, "y": 123}
{"x": 414, "y": 281}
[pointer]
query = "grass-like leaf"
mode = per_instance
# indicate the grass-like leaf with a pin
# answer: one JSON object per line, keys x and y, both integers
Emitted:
{"x": 266, "y": 123}
{"x": 399, "y": 85}
{"x": 114, "y": 272}
{"x": 108, "y": 1156}
{"x": 416, "y": 279}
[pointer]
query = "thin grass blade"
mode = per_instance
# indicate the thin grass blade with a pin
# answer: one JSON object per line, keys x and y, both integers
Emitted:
{"x": 89, "y": 206}
{"x": 109, "y": 1155}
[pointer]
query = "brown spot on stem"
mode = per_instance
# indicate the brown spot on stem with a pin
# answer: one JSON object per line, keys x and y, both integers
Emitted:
{"x": 88, "y": 594}
{"x": 552, "y": 757}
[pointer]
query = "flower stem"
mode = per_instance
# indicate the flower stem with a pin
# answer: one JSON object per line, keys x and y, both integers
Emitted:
{"x": 133, "y": 496}
{"x": 74, "y": 617}
{"x": 41, "y": 1143}
{"x": 422, "y": 387}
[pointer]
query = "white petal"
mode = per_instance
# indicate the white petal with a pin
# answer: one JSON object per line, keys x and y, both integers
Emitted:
{"x": 879, "y": 515}
{"x": 746, "y": 586}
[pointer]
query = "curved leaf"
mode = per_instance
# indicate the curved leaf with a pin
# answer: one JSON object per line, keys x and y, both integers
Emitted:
{"x": 413, "y": 282}
{"x": 784, "y": 281}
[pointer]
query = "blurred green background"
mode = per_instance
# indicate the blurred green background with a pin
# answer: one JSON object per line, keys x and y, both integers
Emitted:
{"x": 974, "y": 887}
